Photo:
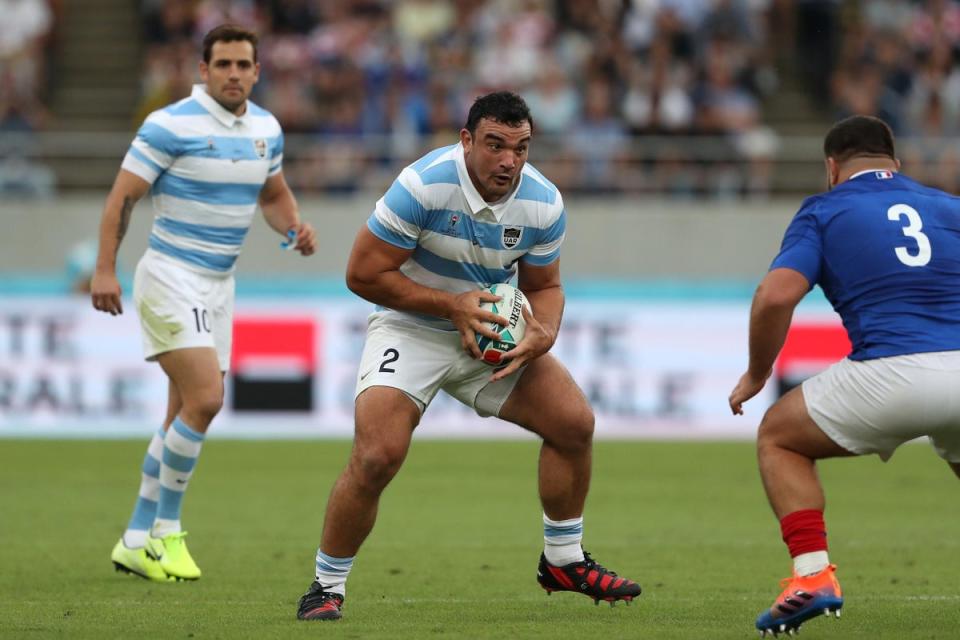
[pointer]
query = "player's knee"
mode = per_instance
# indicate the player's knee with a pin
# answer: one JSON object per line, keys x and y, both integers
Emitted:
{"x": 205, "y": 405}
{"x": 374, "y": 467}
{"x": 768, "y": 435}
{"x": 577, "y": 428}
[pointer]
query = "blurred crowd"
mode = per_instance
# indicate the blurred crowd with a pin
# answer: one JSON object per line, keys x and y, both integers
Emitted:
{"x": 642, "y": 96}
{"x": 26, "y": 31}
{"x": 367, "y": 82}
{"x": 26, "y": 37}
{"x": 901, "y": 61}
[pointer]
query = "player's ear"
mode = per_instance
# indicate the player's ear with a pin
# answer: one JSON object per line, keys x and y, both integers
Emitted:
{"x": 833, "y": 171}
{"x": 204, "y": 71}
{"x": 896, "y": 161}
{"x": 466, "y": 139}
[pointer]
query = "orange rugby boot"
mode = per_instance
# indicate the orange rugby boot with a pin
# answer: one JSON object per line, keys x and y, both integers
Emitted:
{"x": 804, "y": 597}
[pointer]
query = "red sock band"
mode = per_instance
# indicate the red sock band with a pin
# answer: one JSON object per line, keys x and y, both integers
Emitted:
{"x": 804, "y": 531}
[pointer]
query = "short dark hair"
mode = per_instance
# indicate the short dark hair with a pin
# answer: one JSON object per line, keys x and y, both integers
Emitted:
{"x": 859, "y": 136}
{"x": 228, "y": 33}
{"x": 505, "y": 107}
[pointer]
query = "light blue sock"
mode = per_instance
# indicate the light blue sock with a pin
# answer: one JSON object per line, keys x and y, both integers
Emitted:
{"x": 181, "y": 448}
{"x": 145, "y": 509}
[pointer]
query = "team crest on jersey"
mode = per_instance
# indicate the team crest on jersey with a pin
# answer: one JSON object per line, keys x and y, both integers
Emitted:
{"x": 883, "y": 175}
{"x": 261, "y": 146}
{"x": 511, "y": 236}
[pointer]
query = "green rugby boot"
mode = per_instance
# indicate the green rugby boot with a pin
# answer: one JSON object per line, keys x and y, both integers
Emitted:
{"x": 174, "y": 556}
{"x": 141, "y": 562}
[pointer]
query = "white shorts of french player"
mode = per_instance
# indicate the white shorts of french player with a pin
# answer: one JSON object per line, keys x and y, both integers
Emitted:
{"x": 874, "y": 406}
{"x": 421, "y": 361}
{"x": 180, "y": 308}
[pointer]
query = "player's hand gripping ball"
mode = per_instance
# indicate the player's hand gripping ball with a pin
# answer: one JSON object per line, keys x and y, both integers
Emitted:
{"x": 511, "y": 302}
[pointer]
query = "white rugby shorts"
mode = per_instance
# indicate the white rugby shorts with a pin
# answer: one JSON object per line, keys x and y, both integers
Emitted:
{"x": 420, "y": 361}
{"x": 180, "y": 308}
{"x": 874, "y": 406}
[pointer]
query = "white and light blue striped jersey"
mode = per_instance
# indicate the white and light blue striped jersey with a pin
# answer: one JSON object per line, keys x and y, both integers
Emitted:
{"x": 206, "y": 167}
{"x": 459, "y": 241}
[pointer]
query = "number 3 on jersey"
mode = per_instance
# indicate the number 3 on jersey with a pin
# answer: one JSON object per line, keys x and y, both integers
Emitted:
{"x": 912, "y": 230}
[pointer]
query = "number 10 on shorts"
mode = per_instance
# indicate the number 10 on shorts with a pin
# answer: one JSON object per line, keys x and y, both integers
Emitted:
{"x": 201, "y": 319}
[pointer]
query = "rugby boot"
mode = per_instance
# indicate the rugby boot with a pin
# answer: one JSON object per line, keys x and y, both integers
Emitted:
{"x": 803, "y": 598}
{"x": 174, "y": 556}
{"x": 587, "y": 577}
{"x": 317, "y": 604}
{"x": 141, "y": 562}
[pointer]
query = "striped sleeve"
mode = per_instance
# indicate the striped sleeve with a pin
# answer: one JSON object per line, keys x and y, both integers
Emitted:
{"x": 399, "y": 216}
{"x": 276, "y": 155}
{"x": 152, "y": 151}
{"x": 547, "y": 247}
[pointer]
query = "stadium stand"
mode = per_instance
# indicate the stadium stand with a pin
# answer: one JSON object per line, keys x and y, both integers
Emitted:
{"x": 686, "y": 98}
{"x": 26, "y": 29}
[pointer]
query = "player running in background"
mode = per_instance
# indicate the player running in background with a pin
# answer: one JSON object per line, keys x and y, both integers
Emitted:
{"x": 457, "y": 220}
{"x": 886, "y": 252}
{"x": 208, "y": 161}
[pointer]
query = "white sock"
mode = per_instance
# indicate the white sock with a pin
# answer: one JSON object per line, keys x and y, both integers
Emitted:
{"x": 807, "y": 564}
{"x": 332, "y": 572}
{"x": 561, "y": 540}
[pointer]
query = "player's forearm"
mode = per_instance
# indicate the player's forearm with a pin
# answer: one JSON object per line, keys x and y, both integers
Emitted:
{"x": 548, "y": 306}
{"x": 281, "y": 211}
{"x": 769, "y": 324}
{"x": 396, "y": 291}
{"x": 113, "y": 227}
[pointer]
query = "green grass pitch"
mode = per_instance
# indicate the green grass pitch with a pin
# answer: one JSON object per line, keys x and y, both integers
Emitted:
{"x": 455, "y": 550}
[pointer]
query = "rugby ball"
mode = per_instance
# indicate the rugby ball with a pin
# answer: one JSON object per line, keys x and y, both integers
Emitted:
{"x": 509, "y": 306}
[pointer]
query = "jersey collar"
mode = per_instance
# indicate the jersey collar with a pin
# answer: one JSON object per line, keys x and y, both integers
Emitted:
{"x": 213, "y": 107}
{"x": 865, "y": 171}
{"x": 474, "y": 200}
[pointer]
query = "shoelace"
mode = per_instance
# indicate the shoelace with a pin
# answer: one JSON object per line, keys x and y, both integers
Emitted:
{"x": 785, "y": 582}
{"x": 593, "y": 564}
{"x": 175, "y": 538}
{"x": 784, "y": 595}
{"x": 319, "y": 597}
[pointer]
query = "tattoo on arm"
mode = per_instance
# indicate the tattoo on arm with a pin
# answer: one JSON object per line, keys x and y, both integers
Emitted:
{"x": 125, "y": 211}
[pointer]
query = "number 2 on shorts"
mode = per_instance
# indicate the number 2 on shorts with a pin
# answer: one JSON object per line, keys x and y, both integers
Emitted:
{"x": 390, "y": 355}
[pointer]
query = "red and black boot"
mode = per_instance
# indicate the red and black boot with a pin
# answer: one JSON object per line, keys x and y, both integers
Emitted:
{"x": 587, "y": 577}
{"x": 317, "y": 604}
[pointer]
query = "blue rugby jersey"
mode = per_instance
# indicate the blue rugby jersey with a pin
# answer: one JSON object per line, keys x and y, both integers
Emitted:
{"x": 886, "y": 252}
{"x": 459, "y": 241}
{"x": 206, "y": 167}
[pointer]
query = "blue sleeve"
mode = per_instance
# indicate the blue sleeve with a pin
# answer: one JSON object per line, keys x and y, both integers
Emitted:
{"x": 802, "y": 248}
{"x": 547, "y": 247}
{"x": 398, "y": 217}
{"x": 276, "y": 146}
{"x": 160, "y": 138}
